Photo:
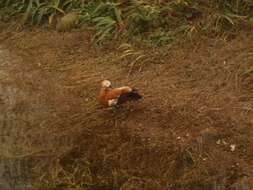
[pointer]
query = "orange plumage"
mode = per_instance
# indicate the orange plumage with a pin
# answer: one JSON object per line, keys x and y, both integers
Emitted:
{"x": 115, "y": 96}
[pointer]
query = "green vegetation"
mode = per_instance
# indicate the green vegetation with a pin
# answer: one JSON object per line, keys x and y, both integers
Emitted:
{"x": 156, "y": 22}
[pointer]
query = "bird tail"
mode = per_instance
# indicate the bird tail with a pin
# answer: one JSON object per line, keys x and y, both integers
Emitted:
{"x": 130, "y": 96}
{"x": 135, "y": 95}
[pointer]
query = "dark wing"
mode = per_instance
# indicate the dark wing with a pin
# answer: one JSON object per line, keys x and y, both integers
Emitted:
{"x": 129, "y": 96}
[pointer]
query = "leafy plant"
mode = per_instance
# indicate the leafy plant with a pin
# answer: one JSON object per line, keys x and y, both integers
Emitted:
{"x": 38, "y": 10}
{"x": 141, "y": 17}
{"x": 112, "y": 18}
{"x": 104, "y": 16}
{"x": 161, "y": 38}
{"x": 105, "y": 27}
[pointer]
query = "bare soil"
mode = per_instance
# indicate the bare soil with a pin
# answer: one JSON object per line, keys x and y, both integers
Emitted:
{"x": 197, "y": 107}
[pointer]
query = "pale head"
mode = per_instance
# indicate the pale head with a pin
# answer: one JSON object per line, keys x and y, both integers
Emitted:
{"x": 106, "y": 84}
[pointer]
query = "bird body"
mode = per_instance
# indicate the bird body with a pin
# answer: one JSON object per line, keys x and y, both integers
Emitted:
{"x": 115, "y": 96}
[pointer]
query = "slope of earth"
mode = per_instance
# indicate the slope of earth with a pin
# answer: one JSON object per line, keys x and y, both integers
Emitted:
{"x": 192, "y": 130}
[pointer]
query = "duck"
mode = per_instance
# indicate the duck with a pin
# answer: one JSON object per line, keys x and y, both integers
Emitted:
{"x": 114, "y": 97}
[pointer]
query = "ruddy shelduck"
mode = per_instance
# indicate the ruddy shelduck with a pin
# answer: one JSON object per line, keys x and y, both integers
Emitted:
{"x": 109, "y": 96}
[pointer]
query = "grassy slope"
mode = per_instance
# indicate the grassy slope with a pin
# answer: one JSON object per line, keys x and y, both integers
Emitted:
{"x": 158, "y": 143}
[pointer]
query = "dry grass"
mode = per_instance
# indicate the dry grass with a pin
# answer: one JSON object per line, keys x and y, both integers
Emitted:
{"x": 157, "y": 143}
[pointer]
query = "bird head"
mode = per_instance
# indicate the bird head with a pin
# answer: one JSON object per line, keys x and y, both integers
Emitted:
{"x": 106, "y": 84}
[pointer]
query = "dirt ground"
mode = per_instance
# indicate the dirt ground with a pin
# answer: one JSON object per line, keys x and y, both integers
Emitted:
{"x": 192, "y": 130}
